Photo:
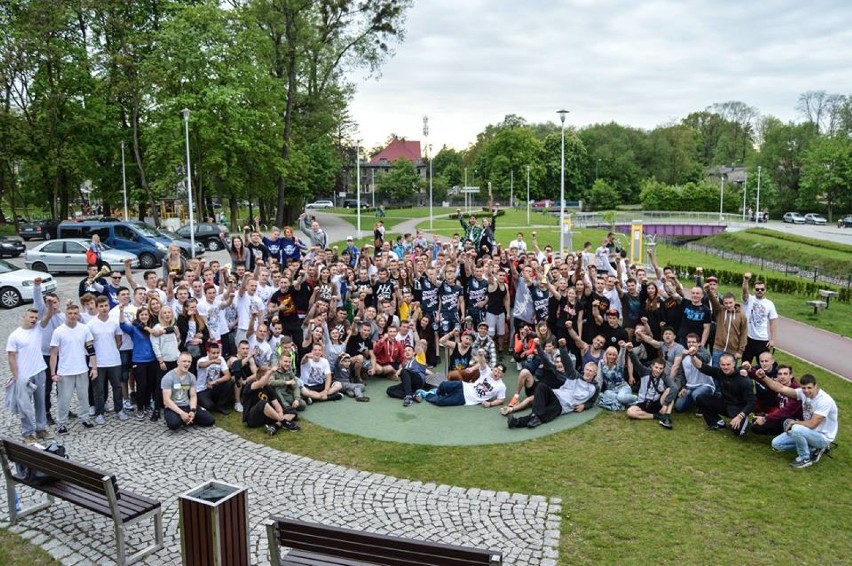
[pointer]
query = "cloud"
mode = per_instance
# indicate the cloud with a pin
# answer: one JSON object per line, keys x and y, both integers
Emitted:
{"x": 467, "y": 64}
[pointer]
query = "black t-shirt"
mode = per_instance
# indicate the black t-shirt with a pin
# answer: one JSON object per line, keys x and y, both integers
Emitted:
{"x": 251, "y": 397}
{"x": 449, "y": 298}
{"x": 477, "y": 290}
{"x": 426, "y": 293}
{"x": 541, "y": 302}
{"x": 356, "y": 345}
{"x": 382, "y": 291}
{"x": 613, "y": 335}
{"x": 287, "y": 312}
{"x": 693, "y": 319}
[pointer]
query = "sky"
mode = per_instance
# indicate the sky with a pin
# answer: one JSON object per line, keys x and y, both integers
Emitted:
{"x": 468, "y": 63}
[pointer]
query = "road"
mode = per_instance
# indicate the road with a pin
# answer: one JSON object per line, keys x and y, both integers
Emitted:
{"x": 829, "y": 232}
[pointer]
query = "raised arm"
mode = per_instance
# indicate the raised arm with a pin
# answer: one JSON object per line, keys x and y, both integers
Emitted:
{"x": 746, "y": 282}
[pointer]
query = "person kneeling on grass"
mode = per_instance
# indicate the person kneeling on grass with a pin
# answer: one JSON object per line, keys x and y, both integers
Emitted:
{"x": 261, "y": 407}
{"x": 180, "y": 398}
{"x": 734, "y": 395}
{"x": 811, "y": 437}
{"x": 654, "y": 387}
{"x": 575, "y": 395}
{"x": 488, "y": 390}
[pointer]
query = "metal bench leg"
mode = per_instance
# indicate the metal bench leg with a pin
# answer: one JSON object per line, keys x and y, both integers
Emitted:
{"x": 158, "y": 538}
{"x": 120, "y": 544}
{"x": 272, "y": 540}
{"x": 15, "y": 514}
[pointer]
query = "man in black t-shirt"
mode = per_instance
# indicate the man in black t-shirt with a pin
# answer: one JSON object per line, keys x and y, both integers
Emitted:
{"x": 360, "y": 349}
{"x": 262, "y": 408}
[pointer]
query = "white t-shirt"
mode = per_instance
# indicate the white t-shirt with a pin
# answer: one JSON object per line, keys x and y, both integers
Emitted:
{"x": 72, "y": 348}
{"x": 210, "y": 373}
{"x": 313, "y": 373}
{"x": 261, "y": 351}
{"x": 823, "y": 405}
{"x": 129, "y": 317}
{"x": 485, "y": 388}
{"x": 520, "y": 246}
{"x": 27, "y": 345}
{"x": 211, "y": 316}
{"x": 759, "y": 312}
{"x": 104, "y": 333}
{"x": 245, "y": 304}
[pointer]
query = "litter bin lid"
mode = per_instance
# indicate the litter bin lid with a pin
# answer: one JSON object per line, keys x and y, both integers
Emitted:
{"x": 213, "y": 492}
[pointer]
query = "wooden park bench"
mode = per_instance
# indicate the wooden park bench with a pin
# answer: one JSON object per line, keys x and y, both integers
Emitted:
{"x": 828, "y": 294}
{"x": 86, "y": 487}
{"x": 817, "y": 305}
{"x": 315, "y": 544}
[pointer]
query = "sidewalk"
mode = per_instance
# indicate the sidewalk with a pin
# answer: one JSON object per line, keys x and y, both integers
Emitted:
{"x": 822, "y": 348}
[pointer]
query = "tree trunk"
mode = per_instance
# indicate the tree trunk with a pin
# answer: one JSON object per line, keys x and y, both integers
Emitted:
{"x": 137, "y": 158}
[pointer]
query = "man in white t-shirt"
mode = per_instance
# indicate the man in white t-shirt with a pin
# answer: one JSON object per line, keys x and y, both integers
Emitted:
{"x": 762, "y": 316}
{"x": 69, "y": 371}
{"x": 26, "y": 363}
{"x": 107, "y": 338}
{"x": 316, "y": 377}
{"x": 214, "y": 383}
{"x": 488, "y": 390}
{"x": 812, "y": 436}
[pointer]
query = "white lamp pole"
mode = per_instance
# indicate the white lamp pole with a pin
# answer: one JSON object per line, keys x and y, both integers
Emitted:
{"x": 358, "y": 184}
{"x": 745, "y": 190}
{"x": 123, "y": 181}
{"x": 528, "y": 195}
{"x": 426, "y": 136}
{"x": 562, "y": 114}
{"x": 185, "y": 113}
{"x": 721, "y": 197}
{"x": 757, "y": 206}
{"x": 511, "y": 188}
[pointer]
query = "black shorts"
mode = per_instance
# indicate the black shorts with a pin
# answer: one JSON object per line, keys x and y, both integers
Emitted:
{"x": 318, "y": 388}
{"x": 530, "y": 391}
{"x": 255, "y": 416}
{"x": 650, "y": 406}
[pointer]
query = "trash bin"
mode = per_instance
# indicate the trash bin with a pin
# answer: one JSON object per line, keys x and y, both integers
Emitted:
{"x": 214, "y": 525}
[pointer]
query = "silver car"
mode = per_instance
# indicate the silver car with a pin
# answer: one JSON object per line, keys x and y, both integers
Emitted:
{"x": 16, "y": 285}
{"x": 69, "y": 255}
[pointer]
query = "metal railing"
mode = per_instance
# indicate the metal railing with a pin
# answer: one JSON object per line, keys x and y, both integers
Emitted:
{"x": 585, "y": 219}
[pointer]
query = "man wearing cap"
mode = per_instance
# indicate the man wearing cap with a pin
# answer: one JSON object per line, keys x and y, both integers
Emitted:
{"x": 353, "y": 250}
{"x": 482, "y": 341}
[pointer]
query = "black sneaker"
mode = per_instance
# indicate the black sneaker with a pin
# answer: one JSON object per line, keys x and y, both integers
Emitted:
{"x": 335, "y": 397}
{"x": 290, "y": 425}
{"x": 50, "y": 420}
{"x": 817, "y": 453}
{"x": 363, "y": 399}
{"x": 62, "y": 429}
{"x": 155, "y": 415}
{"x": 513, "y": 422}
{"x": 718, "y": 425}
{"x": 72, "y": 415}
{"x": 408, "y": 401}
{"x": 88, "y": 424}
{"x": 534, "y": 421}
{"x": 271, "y": 430}
{"x": 799, "y": 463}
{"x": 666, "y": 422}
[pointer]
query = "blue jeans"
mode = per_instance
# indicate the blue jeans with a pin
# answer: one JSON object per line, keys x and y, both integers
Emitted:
{"x": 801, "y": 439}
{"x": 31, "y": 404}
{"x": 449, "y": 393}
{"x": 684, "y": 403}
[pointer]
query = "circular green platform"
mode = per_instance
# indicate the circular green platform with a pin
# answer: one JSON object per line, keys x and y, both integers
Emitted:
{"x": 384, "y": 418}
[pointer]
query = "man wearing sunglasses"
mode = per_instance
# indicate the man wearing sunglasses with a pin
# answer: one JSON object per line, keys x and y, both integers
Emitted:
{"x": 762, "y": 317}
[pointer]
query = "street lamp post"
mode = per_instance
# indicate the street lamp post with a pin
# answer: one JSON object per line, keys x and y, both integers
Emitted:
{"x": 562, "y": 114}
{"x": 757, "y": 205}
{"x": 528, "y": 195}
{"x": 745, "y": 190}
{"x": 358, "y": 184}
{"x": 721, "y": 196}
{"x": 511, "y": 188}
{"x": 123, "y": 181}
{"x": 426, "y": 135}
{"x": 597, "y": 163}
{"x": 185, "y": 113}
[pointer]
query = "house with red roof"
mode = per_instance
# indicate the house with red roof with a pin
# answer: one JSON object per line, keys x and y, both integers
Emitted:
{"x": 380, "y": 163}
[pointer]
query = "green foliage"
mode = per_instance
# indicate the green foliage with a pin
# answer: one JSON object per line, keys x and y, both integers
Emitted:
{"x": 401, "y": 182}
{"x": 698, "y": 197}
{"x": 827, "y": 176}
{"x": 602, "y": 196}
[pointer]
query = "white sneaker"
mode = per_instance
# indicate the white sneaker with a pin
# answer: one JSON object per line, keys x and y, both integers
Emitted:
{"x": 238, "y": 407}
{"x": 127, "y": 405}
{"x": 122, "y": 416}
{"x": 519, "y": 366}
{"x": 91, "y": 411}
{"x": 99, "y": 420}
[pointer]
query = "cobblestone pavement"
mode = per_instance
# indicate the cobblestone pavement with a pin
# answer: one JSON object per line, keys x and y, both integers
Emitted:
{"x": 149, "y": 460}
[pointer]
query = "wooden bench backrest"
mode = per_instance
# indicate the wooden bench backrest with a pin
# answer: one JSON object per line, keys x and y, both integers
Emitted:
{"x": 375, "y": 548}
{"x": 62, "y": 469}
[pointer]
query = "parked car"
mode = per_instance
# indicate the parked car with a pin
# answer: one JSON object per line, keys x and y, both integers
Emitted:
{"x": 69, "y": 255}
{"x": 213, "y": 236}
{"x": 42, "y": 229}
{"x": 353, "y": 203}
{"x": 16, "y": 285}
{"x": 185, "y": 244}
{"x": 320, "y": 204}
{"x": 845, "y": 222}
{"x": 814, "y": 218}
{"x": 793, "y": 218}
{"x": 139, "y": 238}
{"x": 12, "y": 247}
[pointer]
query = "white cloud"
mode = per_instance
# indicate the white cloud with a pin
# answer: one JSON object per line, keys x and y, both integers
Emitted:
{"x": 467, "y": 64}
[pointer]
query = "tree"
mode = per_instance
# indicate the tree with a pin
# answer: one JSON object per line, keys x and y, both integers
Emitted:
{"x": 615, "y": 153}
{"x": 401, "y": 182}
{"x": 827, "y": 174}
{"x": 673, "y": 154}
{"x": 601, "y": 196}
{"x": 781, "y": 157}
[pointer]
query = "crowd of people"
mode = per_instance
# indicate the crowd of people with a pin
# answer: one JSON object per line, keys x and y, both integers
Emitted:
{"x": 293, "y": 321}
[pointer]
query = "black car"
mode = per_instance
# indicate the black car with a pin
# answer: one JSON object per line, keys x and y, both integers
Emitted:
{"x": 12, "y": 247}
{"x": 845, "y": 222}
{"x": 44, "y": 229}
{"x": 213, "y": 236}
{"x": 353, "y": 203}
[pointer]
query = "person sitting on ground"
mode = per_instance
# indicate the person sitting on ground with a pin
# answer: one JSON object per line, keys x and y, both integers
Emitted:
{"x": 180, "y": 398}
{"x": 488, "y": 390}
{"x": 735, "y": 396}
{"x": 214, "y": 383}
{"x": 316, "y": 377}
{"x": 593, "y": 352}
{"x": 242, "y": 367}
{"x": 574, "y": 396}
{"x": 412, "y": 376}
{"x": 655, "y": 386}
{"x": 528, "y": 379}
{"x": 764, "y": 399}
{"x": 772, "y": 423}
{"x": 286, "y": 385}
{"x": 460, "y": 345}
{"x": 524, "y": 347}
{"x": 388, "y": 355}
{"x": 812, "y": 436}
{"x": 342, "y": 374}
{"x": 262, "y": 408}
{"x": 616, "y": 390}
{"x": 482, "y": 341}
{"x": 359, "y": 346}
{"x": 694, "y": 383}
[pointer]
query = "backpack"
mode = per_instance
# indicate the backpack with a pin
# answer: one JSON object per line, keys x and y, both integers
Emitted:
{"x": 35, "y": 477}
{"x": 91, "y": 257}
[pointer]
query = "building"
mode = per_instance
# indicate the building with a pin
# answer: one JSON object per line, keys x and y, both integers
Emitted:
{"x": 381, "y": 162}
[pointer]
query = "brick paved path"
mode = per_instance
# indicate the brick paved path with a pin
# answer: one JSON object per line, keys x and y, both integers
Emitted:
{"x": 151, "y": 461}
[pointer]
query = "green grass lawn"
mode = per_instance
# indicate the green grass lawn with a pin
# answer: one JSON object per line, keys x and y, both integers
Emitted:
{"x": 635, "y": 493}
{"x": 16, "y": 551}
{"x": 392, "y": 218}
